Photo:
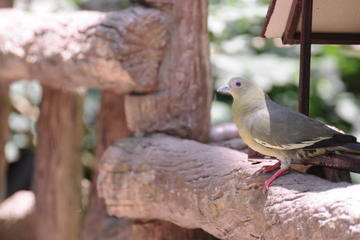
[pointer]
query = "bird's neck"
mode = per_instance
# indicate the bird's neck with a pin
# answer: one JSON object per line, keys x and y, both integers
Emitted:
{"x": 249, "y": 102}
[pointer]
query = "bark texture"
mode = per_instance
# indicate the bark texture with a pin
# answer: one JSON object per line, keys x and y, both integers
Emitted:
{"x": 98, "y": 225}
{"x": 199, "y": 186}
{"x": 161, "y": 230}
{"x": 58, "y": 167}
{"x": 111, "y": 126}
{"x": 182, "y": 104}
{"x": 119, "y": 50}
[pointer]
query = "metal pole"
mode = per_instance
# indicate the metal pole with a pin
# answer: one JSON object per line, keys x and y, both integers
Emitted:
{"x": 305, "y": 56}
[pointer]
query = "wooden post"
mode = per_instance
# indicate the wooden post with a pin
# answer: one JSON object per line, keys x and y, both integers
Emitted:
{"x": 111, "y": 127}
{"x": 305, "y": 56}
{"x": 6, "y": 3}
{"x": 58, "y": 167}
{"x": 304, "y": 84}
{"x": 4, "y": 115}
{"x": 181, "y": 106}
{"x": 5, "y": 106}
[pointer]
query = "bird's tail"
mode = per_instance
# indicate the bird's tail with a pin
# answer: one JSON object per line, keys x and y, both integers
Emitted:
{"x": 351, "y": 147}
{"x": 345, "y": 156}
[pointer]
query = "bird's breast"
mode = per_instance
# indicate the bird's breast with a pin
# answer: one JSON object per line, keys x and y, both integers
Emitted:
{"x": 249, "y": 140}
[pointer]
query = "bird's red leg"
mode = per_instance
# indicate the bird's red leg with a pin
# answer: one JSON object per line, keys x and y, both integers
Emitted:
{"x": 279, "y": 173}
{"x": 269, "y": 168}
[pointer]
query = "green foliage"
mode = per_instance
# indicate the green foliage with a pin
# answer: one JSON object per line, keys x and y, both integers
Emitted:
{"x": 75, "y": 2}
{"x": 349, "y": 61}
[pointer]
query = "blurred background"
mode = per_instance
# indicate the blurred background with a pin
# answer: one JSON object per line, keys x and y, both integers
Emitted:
{"x": 236, "y": 50}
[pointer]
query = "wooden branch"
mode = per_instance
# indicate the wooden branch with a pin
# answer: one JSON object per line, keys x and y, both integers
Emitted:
{"x": 119, "y": 50}
{"x": 182, "y": 105}
{"x": 200, "y": 186}
{"x": 58, "y": 170}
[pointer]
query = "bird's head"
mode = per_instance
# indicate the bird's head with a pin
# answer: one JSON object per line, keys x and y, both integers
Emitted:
{"x": 237, "y": 86}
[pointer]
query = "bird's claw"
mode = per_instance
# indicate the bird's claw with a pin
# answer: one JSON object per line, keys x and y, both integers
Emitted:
{"x": 269, "y": 181}
{"x": 266, "y": 186}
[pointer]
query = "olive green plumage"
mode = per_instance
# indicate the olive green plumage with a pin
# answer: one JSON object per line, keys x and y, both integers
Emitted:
{"x": 290, "y": 136}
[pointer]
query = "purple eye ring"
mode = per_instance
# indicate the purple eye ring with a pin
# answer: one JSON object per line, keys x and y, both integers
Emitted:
{"x": 238, "y": 84}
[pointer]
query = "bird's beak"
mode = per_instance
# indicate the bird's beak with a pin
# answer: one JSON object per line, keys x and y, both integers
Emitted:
{"x": 224, "y": 89}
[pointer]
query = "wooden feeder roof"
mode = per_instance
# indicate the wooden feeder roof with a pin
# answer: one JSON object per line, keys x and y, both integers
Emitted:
{"x": 333, "y": 21}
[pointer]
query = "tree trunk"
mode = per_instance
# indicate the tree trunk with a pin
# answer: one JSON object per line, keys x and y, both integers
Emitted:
{"x": 58, "y": 171}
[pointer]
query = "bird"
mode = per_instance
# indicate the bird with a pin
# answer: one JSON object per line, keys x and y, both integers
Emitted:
{"x": 287, "y": 135}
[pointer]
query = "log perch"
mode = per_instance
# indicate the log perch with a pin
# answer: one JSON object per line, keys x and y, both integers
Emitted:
{"x": 198, "y": 186}
{"x": 117, "y": 50}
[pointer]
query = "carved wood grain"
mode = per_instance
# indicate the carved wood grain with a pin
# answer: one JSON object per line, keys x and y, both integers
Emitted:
{"x": 198, "y": 186}
{"x": 121, "y": 50}
{"x": 181, "y": 106}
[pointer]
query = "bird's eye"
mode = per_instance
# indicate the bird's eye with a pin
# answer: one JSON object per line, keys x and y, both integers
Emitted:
{"x": 238, "y": 84}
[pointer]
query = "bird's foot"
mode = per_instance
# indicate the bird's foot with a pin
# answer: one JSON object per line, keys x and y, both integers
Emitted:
{"x": 268, "y": 182}
{"x": 268, "y": 168}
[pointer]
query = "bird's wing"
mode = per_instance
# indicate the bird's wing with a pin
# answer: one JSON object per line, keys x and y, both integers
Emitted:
{"x": 281, "y": 128}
